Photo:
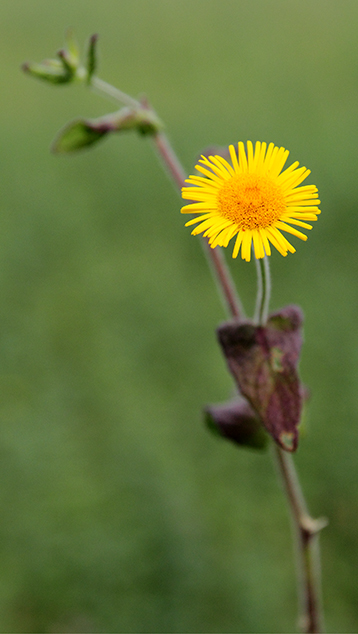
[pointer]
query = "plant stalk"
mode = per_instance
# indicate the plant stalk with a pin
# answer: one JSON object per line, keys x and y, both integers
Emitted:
{"x": 263, "y": 290}
{"x": 174, "y": 168}
{"x": 305, "y": 528}
{"x": 305, "y": 531}
{"x": 107, "y": 90}
{"x": 215, "y": 256}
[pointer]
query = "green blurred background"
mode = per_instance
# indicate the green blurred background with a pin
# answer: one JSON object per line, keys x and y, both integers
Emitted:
{"x": 119, "y": 512}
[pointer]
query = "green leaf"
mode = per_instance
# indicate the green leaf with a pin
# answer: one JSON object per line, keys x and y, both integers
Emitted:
{"x": 77, "y": 135}
{"x": 144, "y": 120}
{"x": 58, "y": 71}
{"x": 73, "y": 52}
{"x": 92, "y": 57}
{"x": 83, "y": 133}
{"x": 50, "y": 70}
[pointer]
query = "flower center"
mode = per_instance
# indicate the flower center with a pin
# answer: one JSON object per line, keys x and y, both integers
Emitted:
{"x": 252, "y": 201}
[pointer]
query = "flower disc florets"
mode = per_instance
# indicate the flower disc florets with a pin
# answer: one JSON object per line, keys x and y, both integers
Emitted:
{"x": 251, "y": 199}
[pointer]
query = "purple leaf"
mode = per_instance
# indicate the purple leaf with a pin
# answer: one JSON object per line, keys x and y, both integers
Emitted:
{"x": 263, "y": 361}
{"x": 237, "y": 421}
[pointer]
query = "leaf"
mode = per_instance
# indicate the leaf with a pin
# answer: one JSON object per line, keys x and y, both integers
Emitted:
{"x": 92, "y": 57}
{"x": 263, "y": 361}
{"x": 73, "y": 52}
{"x": 236, "y": 421}
{"x": 83, "y": 133}
{"x": 51, "y": 70}
{"x": 78, "y": 135}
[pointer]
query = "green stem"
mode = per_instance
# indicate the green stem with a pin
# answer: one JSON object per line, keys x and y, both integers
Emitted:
{"x": 107, "y": 90}
{"x": 263, "y": 290}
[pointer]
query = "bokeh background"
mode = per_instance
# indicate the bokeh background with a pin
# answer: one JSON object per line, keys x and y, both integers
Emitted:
{"x": 119, "y": 511}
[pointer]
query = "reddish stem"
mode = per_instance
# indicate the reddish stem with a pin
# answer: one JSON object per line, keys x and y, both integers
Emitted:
{"x": 306, "y": 533}
{"x": 215, "y": 256}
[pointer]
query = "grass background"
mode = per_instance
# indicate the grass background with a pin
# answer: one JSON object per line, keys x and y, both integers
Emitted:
{"x": 119, "y": 512}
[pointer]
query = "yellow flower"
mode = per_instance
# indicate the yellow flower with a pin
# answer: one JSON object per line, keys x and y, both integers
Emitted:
{"x": 251, "y": 199}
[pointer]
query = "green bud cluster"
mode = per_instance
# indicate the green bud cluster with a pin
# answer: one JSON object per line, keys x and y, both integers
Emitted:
{"x": 66, "y": 67}
{"x": 82, "y": 133}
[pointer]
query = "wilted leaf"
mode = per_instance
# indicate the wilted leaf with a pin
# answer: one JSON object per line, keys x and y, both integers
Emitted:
{"x": 263, "y": 361}
{"x": 236, "y": 421}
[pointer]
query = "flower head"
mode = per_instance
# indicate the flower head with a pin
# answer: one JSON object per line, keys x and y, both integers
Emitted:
{"x": 252, "y": 199}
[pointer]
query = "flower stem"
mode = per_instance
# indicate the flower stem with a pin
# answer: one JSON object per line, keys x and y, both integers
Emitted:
{"x": 263, "y": 290}
{"x": 305, "y": 528}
